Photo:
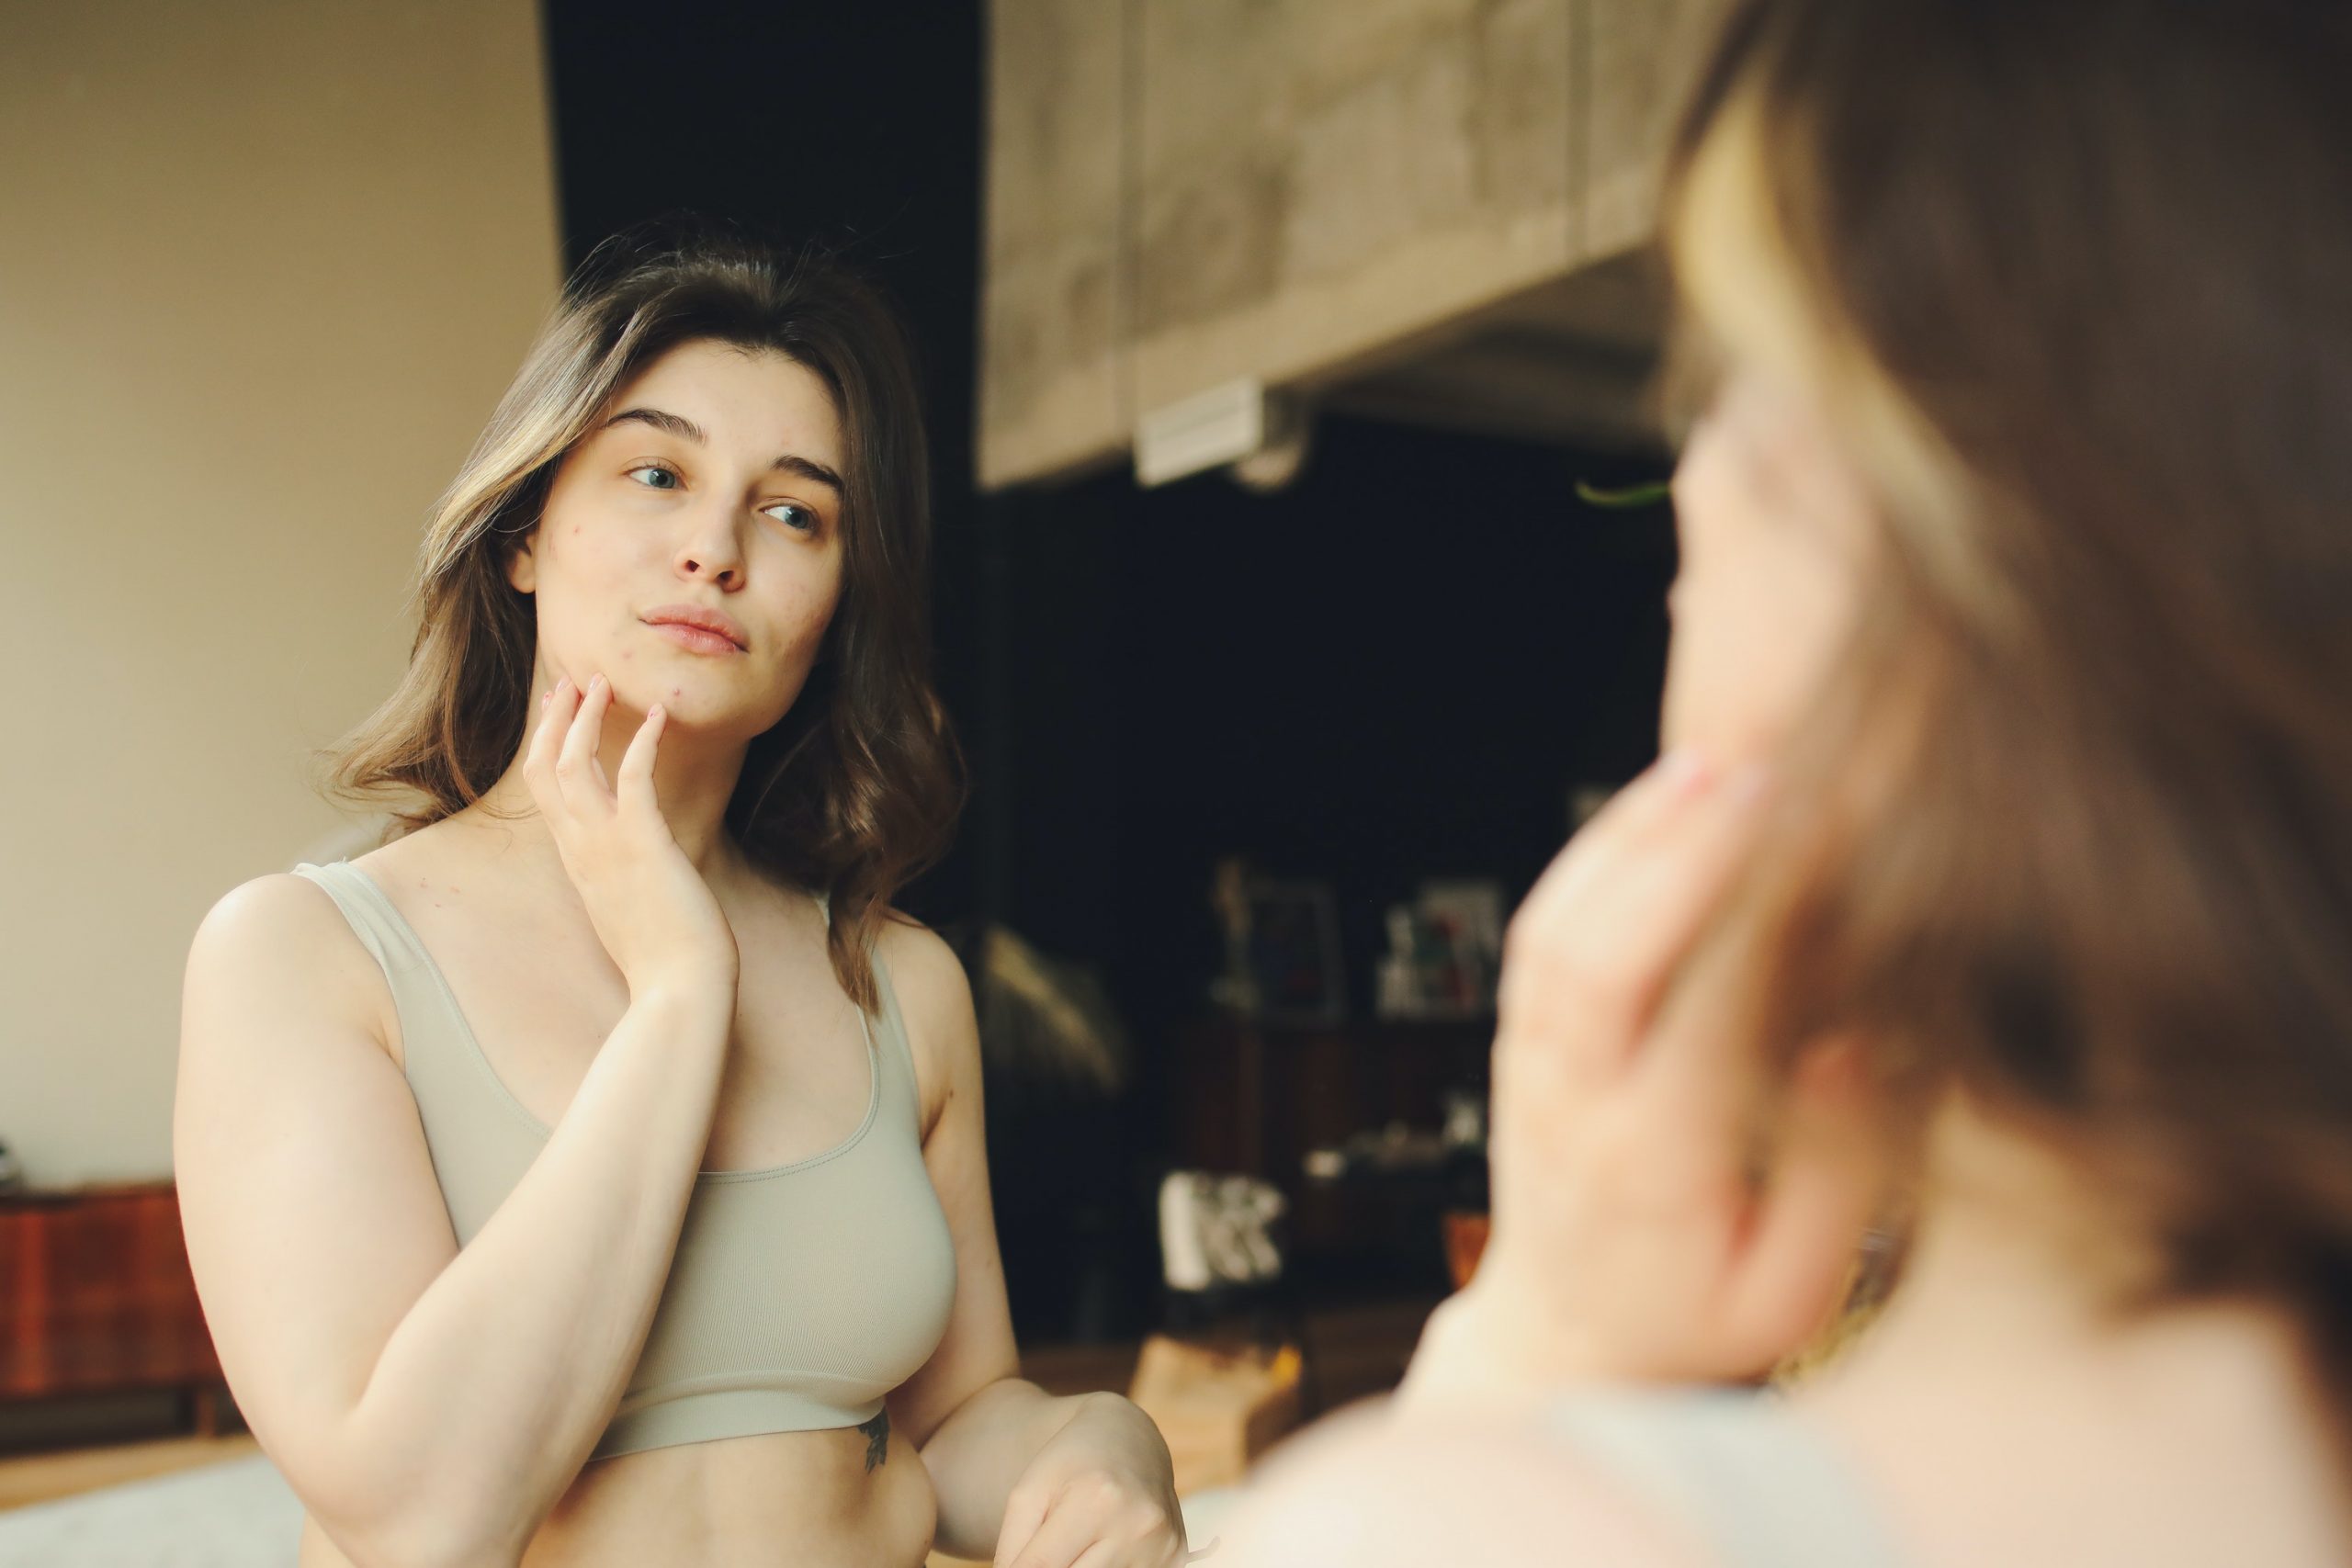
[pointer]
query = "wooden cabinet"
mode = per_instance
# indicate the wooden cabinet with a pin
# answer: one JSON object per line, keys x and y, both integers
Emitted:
{"x": 1182, "y": 194}
{"x": 96, "y": 1297}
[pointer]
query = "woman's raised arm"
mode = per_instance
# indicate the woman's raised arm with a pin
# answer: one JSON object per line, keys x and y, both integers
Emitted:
{"x": 430, "y": 1404}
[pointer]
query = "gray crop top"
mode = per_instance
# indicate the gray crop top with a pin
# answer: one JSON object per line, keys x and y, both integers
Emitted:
{"x": 1759, "y": 1484}
{"x": 799, "y": 1295}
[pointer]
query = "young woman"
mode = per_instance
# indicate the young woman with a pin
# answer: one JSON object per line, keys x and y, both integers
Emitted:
{"x": 1999, "y": 871}
{"x": 592, "y": 1174}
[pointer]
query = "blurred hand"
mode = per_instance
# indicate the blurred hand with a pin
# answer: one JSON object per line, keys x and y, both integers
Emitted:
{"x": 1643, "y": 1229}
{"x": 1101, "y": 1494}
{"x": 650, "y": 907}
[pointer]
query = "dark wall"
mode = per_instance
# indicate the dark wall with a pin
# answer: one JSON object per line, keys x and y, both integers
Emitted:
{"x": 853, "y": 126}
{"x": 1398, "y": 667}
{"x": 1394, "y": 669}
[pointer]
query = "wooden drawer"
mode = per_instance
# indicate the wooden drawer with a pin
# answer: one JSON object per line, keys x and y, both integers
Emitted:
{"x": 96, "y": 1295}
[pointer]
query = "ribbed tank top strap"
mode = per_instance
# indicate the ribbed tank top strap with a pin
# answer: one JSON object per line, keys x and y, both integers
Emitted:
{"x": 379, "y": 925}
{"x": 1739, "y": 1467}
{"x": 894, "y": 1053}
{"x": 480, "y": 1138}
{"x": 435, "y": 1044}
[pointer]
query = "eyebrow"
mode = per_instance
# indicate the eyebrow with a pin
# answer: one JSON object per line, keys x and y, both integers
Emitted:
{"x": 688, "y": 430}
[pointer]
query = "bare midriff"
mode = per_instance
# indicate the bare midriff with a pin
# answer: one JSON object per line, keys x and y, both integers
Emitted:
{"x": 797, "y": 1498}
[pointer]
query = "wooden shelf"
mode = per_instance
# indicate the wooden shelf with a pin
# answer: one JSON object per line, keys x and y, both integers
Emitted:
{"x": 1254, "y": 1098}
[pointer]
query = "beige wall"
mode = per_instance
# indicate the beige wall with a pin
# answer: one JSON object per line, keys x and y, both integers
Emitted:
{"x": 265, "y": 267}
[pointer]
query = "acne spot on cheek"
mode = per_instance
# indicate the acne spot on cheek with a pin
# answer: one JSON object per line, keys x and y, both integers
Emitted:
{"x": 575, "y": 530}
{"x": 628, "y": 653}
{"x": 674, "y": 691}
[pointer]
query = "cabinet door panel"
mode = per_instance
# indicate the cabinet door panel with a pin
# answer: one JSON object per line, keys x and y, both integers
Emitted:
{"x": 98, "y": 1296}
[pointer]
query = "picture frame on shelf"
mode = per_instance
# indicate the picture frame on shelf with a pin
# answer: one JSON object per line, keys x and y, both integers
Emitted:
{"x": 1444, "y": 953}
{"x": 1292, "y": 940}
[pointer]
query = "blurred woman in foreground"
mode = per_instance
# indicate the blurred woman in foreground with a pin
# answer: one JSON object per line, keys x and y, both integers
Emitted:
{"x": 1999, "y": 870}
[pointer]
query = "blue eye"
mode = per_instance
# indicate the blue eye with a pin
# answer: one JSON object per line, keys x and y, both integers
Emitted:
{"x": 801, "y": 517}
{"x": 668, "y": 480}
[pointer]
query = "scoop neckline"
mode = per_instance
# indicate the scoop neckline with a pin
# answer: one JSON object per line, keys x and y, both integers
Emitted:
{"x": 540, "y": 1129}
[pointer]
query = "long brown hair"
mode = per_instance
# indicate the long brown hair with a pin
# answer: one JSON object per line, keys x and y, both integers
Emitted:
{"x": 2071, "y": 830}
{"x": 856, "y": 789}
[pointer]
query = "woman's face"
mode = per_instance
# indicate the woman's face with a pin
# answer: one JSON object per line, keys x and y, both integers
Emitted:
{"x": 709, "y": 483}
{"x": 1774, "y": 527}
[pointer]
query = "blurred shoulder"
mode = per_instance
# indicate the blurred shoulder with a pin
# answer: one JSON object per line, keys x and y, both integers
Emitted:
{"x": 1368, "y": 1489}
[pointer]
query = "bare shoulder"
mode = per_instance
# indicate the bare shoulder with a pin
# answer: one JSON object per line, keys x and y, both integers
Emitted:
{"x": 307, "y": 1191}
{"x": 279, "y": 904}
{"x": 936, "y": 1000}
{"x": 924, "y": 970}
{"x": 1367, "y": 1489}
{"x": 281, "y": 936}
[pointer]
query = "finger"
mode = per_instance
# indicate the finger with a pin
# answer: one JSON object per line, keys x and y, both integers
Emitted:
{"x": 1630, "y": 816}
{"x": 1692, "y": 1097}
{"x": 1651, "y": 791}
{"x": 600, "y": 696}
{"x": 1024, "y": 1512}
{"x": 1065, "y": 1532}
{"x": 539, "y": 761}
{"x": 574, "y": 768}
{"x": 1616, "y": 949}
{"x": 1798, "y": 1256}
{"x": 1144, "y": 1532}
{"x": 1652, "y": 819}
{"x": 1109, "y": 1554}
{"x": 634, "y": 788}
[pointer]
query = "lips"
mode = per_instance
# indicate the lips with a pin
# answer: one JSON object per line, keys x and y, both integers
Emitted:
{"x": 694, "y": 618}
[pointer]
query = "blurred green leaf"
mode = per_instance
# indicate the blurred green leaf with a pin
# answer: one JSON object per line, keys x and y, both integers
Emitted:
{"x": 1624, "y": 498}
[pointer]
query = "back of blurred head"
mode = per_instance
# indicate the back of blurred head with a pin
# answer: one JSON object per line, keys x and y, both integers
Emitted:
{"x": 2068, "y": 815}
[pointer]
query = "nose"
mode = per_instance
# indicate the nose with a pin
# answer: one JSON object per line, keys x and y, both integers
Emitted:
{"x": 712, "y": 550}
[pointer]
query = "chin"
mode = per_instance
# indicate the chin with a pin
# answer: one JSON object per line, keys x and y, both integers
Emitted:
{"x": 714, "y": 714}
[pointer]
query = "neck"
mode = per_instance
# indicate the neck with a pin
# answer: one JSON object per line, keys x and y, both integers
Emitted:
{"x": 2006, "y": 1246}
{"x": 2018, "y": 1279}
{"x": 2008, "y": 1402}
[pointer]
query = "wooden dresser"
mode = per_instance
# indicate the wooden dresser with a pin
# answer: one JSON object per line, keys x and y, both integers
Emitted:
{"x": 96, "y": 1297}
